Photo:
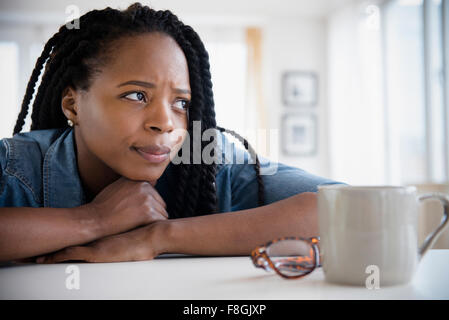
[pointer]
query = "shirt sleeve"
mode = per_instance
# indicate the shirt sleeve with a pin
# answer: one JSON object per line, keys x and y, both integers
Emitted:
{"x": 280, "y": 181}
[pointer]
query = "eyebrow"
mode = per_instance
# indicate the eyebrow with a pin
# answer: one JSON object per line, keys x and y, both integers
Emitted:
{"x": 151, "y": 85}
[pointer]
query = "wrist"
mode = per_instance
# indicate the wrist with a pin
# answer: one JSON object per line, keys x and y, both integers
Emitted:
{"x": 162, "y": 236}
{"x": 87, "y": 222}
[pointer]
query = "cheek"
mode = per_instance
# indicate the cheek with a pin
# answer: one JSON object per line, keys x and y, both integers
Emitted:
{"x": 104, "y": 127}
{"x": 109, "y": 114}
{"x": 103, "y": 115}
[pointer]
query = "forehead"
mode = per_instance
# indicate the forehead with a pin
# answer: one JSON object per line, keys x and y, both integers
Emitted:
{"x": 152, "y": 56}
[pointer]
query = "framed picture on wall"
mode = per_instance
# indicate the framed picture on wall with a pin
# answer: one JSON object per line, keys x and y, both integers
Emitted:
{"x": 300, "y": 88}
{"x": 299, "y": 134}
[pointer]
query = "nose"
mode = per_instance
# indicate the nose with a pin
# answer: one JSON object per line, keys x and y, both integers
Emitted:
{"x": 159, "y": 117}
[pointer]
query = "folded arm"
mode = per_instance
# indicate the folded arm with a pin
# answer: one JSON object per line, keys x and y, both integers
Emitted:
{"x": 221, "y": 234}
{"x": 237, "y": 233}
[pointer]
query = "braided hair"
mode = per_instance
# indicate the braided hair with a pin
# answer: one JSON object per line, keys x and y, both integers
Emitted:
{"x": 72, "y": 56}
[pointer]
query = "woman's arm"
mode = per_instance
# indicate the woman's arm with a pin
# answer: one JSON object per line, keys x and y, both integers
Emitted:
{"x": 237, "y": 233}
{"x": 121, "y": 206}
{"x": 233, "y": 233}
{"x": 26, "y": 232}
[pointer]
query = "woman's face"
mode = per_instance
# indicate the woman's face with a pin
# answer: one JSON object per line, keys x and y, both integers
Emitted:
{"x": 136, "y": 107}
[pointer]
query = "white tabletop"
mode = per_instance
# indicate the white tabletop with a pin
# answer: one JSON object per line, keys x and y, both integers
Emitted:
{"x": 211, "y": 278}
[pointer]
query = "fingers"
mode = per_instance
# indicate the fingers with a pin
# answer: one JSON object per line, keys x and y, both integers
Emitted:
{"x": 149, "y": 187}
{"x": 158, "y": 208}
{"x": 156, "y": 196}
{"x": 70, "y": 253}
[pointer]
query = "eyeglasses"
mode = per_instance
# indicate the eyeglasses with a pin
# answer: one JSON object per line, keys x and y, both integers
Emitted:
{"x": 289, "y": 257}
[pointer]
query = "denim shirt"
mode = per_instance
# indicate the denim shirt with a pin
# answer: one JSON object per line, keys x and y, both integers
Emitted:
{"x": 39, "y": 169}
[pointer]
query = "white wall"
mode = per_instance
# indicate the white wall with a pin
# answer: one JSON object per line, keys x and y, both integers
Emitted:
{"x": 297, "y": 44}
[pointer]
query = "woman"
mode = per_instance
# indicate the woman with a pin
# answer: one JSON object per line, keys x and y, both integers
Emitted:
{"x": 95, "y": 178}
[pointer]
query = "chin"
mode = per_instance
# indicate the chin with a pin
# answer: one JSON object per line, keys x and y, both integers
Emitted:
{"x": 146, "y": 174}
{"x": 142, "y": 170}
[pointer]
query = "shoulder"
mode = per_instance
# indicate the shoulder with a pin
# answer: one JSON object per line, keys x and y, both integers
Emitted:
{"x": 21, "y": 158}
{"x": 241, "y": 162}
{"x": 24, "y": 146}
{"x": 237, "y": 176}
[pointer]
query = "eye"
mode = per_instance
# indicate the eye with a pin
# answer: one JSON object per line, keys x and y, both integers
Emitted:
{"x": 135, "y": 96}
{"x": 182, "y": 104}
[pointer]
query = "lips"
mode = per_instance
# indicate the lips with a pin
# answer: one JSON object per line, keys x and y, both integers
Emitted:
{"x": 154, "y": 149}
{"x": 154, "y": 153}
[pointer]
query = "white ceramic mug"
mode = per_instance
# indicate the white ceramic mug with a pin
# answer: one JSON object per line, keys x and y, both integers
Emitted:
{"x": 361, "y": 227}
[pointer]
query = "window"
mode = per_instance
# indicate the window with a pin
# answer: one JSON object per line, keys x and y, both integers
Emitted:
{"x": 21, "y": 45}
{"x": 387, "y": 84}
{"x": 228, "y": 69}
{"x": 435, "y": 84}
{"x": 413, "y": 51}
{"x": 405, "y": 96}
{"x": 9, "y": 81}
{"x": 228, "y": 50}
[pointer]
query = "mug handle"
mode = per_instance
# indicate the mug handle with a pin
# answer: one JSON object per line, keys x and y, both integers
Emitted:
{"x": 432, "y": 237}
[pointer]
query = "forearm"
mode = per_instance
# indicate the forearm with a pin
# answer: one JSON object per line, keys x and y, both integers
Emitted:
{"x": 27, "y": 232}
{"x": 237, "y": 233}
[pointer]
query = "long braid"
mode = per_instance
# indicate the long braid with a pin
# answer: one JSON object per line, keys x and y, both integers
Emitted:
{"x": 62, "y": 78}
{"x": 254, "y": 156}
{"x": 205, "y": 202}
{"x": 71, "y": 57}
{"x": 50, "y": 67}
{"x": 57, "y": 65}
{"x": 66, "y": 68}
{"x": 32, "y": 83}
{"x": 209, "y": 195}
{"x": 48, "y": 48}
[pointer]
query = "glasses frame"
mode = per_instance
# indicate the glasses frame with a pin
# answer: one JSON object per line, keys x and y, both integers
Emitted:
{"x": 260, "y": 252}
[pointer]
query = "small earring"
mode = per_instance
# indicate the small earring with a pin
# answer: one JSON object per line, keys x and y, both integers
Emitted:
{"x": 70, "y": 123}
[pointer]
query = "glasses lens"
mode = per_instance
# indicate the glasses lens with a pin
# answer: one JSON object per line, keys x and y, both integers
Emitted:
{"x": 292, "y": 257}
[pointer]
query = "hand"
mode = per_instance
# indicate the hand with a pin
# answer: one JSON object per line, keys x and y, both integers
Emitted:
{"x": 124, "y": 205}
{"x": 139, "y": 244}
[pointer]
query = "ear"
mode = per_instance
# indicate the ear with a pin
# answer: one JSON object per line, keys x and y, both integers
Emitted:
{"x": 69, "y": 104}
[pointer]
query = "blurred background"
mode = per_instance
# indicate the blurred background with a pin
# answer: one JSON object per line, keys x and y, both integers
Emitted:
{"x": 347, "y": 89}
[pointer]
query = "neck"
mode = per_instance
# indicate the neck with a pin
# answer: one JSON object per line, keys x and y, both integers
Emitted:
{"x": 94, "y": 174}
